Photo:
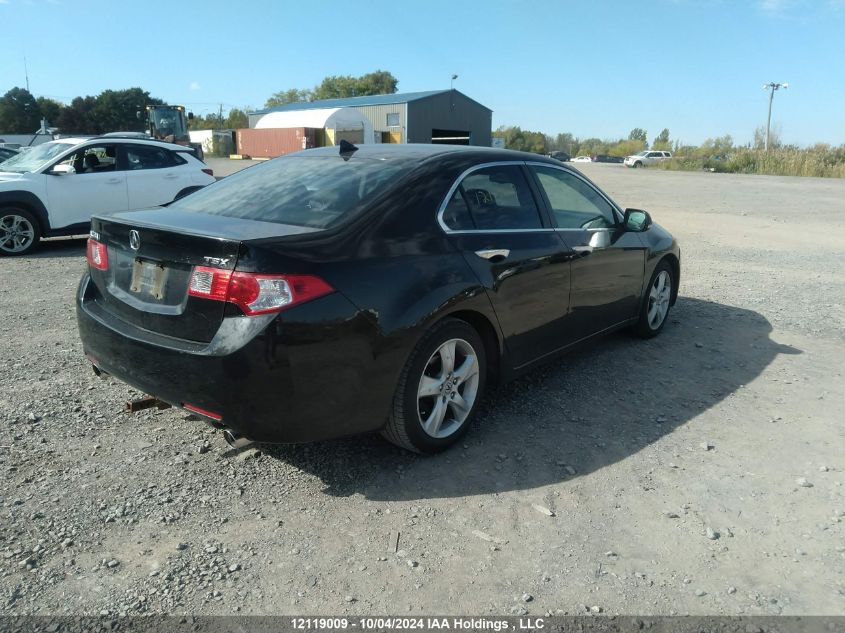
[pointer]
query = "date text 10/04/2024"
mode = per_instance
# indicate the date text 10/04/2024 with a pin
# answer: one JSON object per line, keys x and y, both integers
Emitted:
{"x": 418, "y": 624}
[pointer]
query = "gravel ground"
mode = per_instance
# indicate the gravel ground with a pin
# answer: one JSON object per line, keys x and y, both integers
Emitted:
{"x": 698, "y": 473}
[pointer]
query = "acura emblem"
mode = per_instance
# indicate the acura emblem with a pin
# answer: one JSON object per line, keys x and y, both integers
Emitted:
{"x": 134, "y": 240}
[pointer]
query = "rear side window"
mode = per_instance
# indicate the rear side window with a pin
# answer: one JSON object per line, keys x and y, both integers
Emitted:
{"x": 493, "y": 199}
{"x": 310, "y": 191}
{"x": 148, "y": 157}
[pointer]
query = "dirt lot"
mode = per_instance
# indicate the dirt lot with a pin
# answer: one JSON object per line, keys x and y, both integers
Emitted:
{"x": 698, "y": 473}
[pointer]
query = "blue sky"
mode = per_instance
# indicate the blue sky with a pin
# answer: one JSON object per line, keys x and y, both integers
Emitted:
{"x": 592, "y": 68}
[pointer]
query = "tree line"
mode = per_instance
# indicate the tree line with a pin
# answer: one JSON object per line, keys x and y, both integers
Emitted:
{"x": 116, "y": 110}
{"x": 379, "y": 82}
{"x": 541, "y": 143}
{"x": 110, "y": 111}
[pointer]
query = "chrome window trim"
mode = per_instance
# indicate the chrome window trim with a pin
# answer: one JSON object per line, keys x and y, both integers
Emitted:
{"x": 572, "y": 172}
{"x": 456, "y": 184}
{"x": 481, "y": 231}
{"x": 617, "y": 211}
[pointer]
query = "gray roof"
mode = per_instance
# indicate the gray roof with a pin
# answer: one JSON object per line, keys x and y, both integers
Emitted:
{"x": 349, "y": 102}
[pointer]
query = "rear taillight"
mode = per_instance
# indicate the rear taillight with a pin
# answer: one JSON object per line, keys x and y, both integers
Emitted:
{"x": 208, "y": 170}
{"x": 211, "y": 283}
{"x": 97, "y": 254}
{"x": 205, "y": 412}
{"x": 256, "y": 293}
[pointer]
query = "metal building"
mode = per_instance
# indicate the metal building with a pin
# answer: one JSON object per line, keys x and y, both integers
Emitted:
{"x": 438, "y": 116}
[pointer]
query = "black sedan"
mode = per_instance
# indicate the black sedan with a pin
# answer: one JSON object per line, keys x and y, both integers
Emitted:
{"x": 381, "y": 288}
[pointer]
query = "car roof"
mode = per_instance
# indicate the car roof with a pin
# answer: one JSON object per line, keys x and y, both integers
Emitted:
{"x": 123, "y": 139}
{"x": 424, "y": 151}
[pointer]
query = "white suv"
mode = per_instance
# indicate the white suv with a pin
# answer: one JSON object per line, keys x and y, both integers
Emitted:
{"x": 54, "y": 188}
{"x": 646, "y": 157}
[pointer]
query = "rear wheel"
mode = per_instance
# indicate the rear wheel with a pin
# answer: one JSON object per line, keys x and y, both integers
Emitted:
{"x": 439, "y": 389}
{"x": 19, "y": 231}
{"x": 655, "y": 309}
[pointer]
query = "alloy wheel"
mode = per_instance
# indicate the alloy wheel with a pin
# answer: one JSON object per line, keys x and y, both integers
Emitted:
{"x": 16, "y": 233}
{"x": 448, "y": 388}
{"x": 658, "y": 299}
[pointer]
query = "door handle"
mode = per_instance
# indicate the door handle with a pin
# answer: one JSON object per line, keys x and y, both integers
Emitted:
{"x": 114, "y": 181}
{"x": 493, "y": 253}
{"x": 170, "y": 176}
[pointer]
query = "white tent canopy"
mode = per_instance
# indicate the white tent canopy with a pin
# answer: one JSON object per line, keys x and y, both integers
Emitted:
{"x": 329, "y": 118}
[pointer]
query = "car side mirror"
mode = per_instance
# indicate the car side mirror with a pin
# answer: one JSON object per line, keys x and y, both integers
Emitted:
{"x": 61, "y": 170}
{"x": 637, "y": 220}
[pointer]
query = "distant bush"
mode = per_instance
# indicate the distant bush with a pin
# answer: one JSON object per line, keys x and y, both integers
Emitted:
{"x": 821, "y": 161}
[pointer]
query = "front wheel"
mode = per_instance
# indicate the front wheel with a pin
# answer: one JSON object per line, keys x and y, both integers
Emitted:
{"x": 655, "y": 309}
{"x": 637, "y": 164}
{"x": 439, "y": 389}
{"x": 19, "y": 231}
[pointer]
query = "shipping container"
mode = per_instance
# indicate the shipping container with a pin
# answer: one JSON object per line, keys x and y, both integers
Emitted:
{"x": 272, "y": 142}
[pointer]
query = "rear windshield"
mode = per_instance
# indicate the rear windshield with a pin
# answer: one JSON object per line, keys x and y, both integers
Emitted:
{"x": 311, "y": 191}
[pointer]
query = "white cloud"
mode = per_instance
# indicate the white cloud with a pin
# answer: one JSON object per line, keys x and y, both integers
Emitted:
{"x": 775, "y": 6}
{"x": 194, "y": 84}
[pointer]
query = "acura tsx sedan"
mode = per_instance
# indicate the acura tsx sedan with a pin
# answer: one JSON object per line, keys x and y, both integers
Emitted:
{"x": 381, "y": 288}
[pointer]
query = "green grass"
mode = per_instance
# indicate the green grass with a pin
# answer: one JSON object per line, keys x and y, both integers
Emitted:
{"x": 820, "y": 161}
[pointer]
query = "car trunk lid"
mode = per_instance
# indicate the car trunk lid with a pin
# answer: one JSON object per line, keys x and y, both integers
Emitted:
{"x": 151, "y": 256}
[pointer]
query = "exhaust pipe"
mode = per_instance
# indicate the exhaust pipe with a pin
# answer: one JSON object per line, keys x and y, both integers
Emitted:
{"x": 236, "y": 440}
{"x": 99, "y": 373}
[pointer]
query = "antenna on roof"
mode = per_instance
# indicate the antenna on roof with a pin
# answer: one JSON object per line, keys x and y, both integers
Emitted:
{"x": 347, "y": 149}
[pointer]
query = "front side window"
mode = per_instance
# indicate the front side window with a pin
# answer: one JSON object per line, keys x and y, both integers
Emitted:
{"x": 493, "y": 199}
{"x": 93, "y": 159}
{"x": 575, "y": 204}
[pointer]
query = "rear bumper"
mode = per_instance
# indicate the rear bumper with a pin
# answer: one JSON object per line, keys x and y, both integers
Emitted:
{"x": 295, "y": 377}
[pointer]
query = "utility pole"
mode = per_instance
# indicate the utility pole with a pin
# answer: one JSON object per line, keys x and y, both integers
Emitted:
{"x": 771, "y": 87}
{"x": 26, "y": 73}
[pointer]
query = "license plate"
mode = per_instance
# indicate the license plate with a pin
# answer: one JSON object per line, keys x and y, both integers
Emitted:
{"x": 148, "y": 278}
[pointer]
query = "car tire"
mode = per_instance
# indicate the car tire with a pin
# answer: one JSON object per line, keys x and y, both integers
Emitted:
{"x": 637, "y": 164}
{"x": 436, "y": 399}
{"x": 657, "y": 301}
{"x": 19, "y": 231}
